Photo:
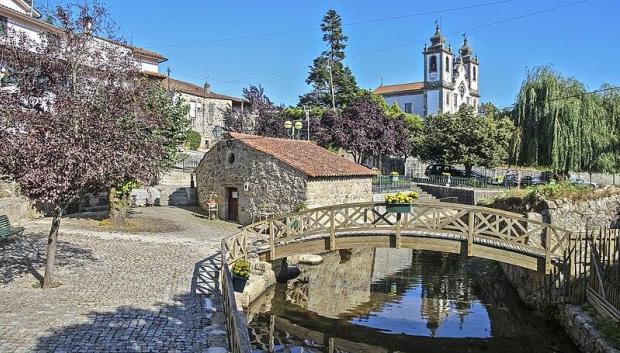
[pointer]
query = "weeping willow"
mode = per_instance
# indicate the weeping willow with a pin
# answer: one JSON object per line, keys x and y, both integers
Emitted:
{"x": 561, "y": 126}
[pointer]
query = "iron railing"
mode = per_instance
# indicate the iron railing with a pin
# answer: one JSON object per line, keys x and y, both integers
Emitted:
{"x": 386, "y": 183}
{"x": 188, "y": 162}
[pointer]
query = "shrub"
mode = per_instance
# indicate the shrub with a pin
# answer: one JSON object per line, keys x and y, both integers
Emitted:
{"x": 193, "y": 140}
{"x": 241, "y": 268}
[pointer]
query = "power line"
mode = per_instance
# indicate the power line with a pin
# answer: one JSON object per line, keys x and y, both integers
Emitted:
{"x": 271, "y": 34}
{"x": 475, "y": 28}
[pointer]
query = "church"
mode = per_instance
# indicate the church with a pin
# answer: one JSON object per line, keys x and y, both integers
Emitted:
{"x": 449, "y": 82}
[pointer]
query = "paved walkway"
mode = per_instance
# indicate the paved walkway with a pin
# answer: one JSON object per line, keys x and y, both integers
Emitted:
{"x": 120, "y": 292}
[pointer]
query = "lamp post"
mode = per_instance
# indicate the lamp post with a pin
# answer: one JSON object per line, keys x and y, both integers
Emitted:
{"x": 218, "y": 132}
{"x": 293, "y": 128}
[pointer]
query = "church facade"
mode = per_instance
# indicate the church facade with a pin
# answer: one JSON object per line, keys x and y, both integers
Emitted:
{"x": 449, "y": 81}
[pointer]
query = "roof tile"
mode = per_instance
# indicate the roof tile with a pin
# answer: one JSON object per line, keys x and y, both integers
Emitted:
{"x": 402, "y": 87}
{"x": 305, "y": 156}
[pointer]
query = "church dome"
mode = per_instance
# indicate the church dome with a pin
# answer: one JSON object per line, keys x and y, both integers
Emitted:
{"x": 465, "y": 49}
{"x": 437, "y": 38}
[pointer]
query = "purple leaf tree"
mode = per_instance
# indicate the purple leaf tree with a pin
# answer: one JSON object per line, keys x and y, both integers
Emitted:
{"x": 74, "y": 115}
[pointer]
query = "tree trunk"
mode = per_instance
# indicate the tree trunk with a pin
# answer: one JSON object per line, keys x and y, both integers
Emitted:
{"x": 468, "y": 170}
{"x": 117, "y": 208}
{"x": 52, "y": 242}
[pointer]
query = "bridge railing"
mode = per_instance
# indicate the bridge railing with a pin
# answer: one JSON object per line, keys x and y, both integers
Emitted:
{"x": 471, "y": 223}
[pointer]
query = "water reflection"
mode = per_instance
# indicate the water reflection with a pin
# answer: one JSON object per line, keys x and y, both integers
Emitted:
{"x": 399, "y": 300}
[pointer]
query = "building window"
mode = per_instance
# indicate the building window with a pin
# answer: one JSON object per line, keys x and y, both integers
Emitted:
{"x": 192, "y": 112}
{"x": 433, "y": 64}
{"x": 408, "y": 109}
{"x": 198, "y": 108}
{"x": 474, "y": 73}
{"x": 456, "y": 96}
{"x": 211, "y": 113}
{"x": 4, "y": 22}
{"x": 448, "y": 99}
{"x": 447, "y": 64}
{"x": 468, "y": 100}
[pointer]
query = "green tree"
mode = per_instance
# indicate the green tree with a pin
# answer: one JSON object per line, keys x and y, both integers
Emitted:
{"x": 329, "y": 68}
{"x": 561, "y": 126}
{"x": 466, "y": 138}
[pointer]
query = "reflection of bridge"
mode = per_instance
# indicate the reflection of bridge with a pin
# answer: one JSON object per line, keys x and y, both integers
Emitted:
{"x": 454, "y": 228}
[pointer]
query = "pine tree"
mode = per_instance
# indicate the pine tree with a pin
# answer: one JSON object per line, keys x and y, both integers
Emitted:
{"x": 344, "y": 84}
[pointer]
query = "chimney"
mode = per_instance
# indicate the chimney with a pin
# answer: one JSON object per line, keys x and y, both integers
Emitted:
{"x": 207, "y": 87}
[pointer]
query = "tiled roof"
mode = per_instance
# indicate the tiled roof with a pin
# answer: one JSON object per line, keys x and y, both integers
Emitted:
{"x": 402, "y": 87}
{"x": 304, "y": 156}
{"x": 196, "y": 90}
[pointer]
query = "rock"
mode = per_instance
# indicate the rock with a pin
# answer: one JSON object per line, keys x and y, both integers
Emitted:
{"x": 310, "y": 259}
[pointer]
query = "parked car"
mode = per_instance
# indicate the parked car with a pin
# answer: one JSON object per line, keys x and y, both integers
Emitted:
{"x": 440, "y": 169}
{"x": 581, "y": 182}
{"x": 530, "y": 180}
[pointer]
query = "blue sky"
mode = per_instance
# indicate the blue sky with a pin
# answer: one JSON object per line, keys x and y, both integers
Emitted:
{"x": 579, "y": 40}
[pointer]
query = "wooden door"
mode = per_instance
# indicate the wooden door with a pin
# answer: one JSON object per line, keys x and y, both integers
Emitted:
{"x": 233, "y": 204}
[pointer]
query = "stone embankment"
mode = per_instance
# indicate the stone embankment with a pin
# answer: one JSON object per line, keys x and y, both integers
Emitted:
{"x": 575, "y": 216}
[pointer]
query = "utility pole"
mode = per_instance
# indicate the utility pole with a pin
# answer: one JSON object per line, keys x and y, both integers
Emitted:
{"x": 331, "y": 85}
{"x": 307, "y": 120}
{"x": 168, "y": 71}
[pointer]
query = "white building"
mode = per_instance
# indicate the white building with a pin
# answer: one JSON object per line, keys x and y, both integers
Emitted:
{"x": 449, "y": 82}
{"x": 20, "y": 16}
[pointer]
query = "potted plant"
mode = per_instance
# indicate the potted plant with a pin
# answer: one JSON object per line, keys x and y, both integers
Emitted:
{"x": 394, "y": 176}
{"x": 241, "y": 274}
{"x": 400, "y": 202}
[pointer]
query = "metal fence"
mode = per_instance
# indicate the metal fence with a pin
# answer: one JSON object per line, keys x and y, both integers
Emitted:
{"x": 386, "y": 183}
{"x": 188, "y": 162}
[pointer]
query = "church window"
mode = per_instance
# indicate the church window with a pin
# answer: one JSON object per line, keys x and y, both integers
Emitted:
{"x": 3, "y": 24}
{"x": 448, "y": 99}
{"x": 468, "y": 100}
{"x": 447, "y": 64}
{"x": 408, "y": 108}
{"x": 433, "y": 64}
{"x": 475, "y": 73}
{"x": 456, "y": 96}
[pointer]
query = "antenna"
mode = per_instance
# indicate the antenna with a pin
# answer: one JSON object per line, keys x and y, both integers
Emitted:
{"x": 168, "y": 71}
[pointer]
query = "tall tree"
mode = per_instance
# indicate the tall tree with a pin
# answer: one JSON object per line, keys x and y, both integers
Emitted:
{"x": 332, "y": 82}
{"x": 466, "y": 138}
{"x": 561, "y": 126}
{"x": 76, "y": 116}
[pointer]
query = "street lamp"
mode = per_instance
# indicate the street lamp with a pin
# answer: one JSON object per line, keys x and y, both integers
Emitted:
{"x": 217, "y": 131}
{"x": 293, "y": 128}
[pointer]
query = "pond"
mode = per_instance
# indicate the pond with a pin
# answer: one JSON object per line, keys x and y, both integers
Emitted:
{"x": 400, "y": 300}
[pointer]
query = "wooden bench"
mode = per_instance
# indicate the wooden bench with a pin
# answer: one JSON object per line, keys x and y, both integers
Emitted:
{"x": 6, "y": 230}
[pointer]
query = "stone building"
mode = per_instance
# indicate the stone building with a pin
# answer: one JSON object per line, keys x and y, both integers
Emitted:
{"x": 248, "y": 174}
{"x": 206, "y": 108}
{"x": 449, "y": 81}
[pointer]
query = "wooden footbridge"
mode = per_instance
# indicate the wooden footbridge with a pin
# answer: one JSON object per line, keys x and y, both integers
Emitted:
{"x": 455, "y": 228}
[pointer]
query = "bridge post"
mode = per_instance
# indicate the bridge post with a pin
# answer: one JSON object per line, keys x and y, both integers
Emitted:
{"x": 397, "y": 240}
{"x": 272, "y": 241}
{"x": 548, "y": 267}
{"x": 332, "y": 229}
{"x": 470, "y": 233}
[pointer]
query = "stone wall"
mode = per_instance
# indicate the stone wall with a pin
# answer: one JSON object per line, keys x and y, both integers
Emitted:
{"x": 205, "y": 121}
{"x": 258, "y": 177}
{"x": 580, "y": 328}
{"x": 602, "y": 212}
{"x": 334, "y": 191}
{"x": 12, "y": 205}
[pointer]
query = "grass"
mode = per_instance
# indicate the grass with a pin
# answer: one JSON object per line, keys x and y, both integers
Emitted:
{"x": 609, "y": 328}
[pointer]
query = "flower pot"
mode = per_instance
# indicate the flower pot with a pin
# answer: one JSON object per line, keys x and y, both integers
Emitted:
{"x": 398, "y": 207}
{"x": 239, "y": 284}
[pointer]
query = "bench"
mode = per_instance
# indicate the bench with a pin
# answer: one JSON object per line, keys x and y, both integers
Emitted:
{"x": 6, "y": 230}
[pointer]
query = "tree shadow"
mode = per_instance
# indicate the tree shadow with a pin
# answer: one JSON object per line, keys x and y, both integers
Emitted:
{"x": 181, "y": 326}
{"x": 25, "y": 253}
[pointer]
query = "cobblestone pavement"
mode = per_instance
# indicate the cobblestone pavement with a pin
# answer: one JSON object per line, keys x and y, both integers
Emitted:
{"x": 120, "y": 292}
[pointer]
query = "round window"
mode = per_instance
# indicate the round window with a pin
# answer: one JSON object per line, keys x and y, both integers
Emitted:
{"x": 231, "y": 158}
